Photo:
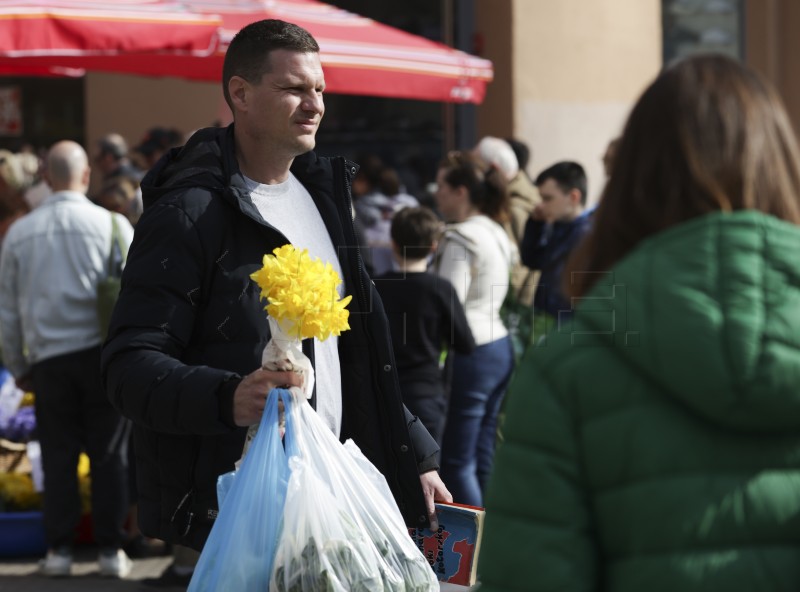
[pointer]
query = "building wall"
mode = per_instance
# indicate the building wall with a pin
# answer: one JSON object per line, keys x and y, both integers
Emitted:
{"x": 574, "y": 70}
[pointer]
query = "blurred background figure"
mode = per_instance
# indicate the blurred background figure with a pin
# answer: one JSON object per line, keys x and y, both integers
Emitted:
{"x": 378, "y": 196}
{"x": 523, "y": 197}
{"x": 516, "y": 310}
{"x": 476, "y": 256}
{"x": 51, "y": 264}
{"x": 12, "y": 189}
{"x": 554, "y": 228}
{"x": 155, "y": 143}
{"x": 111, "y": 159}
{"x": 117, "y": 175}
{"x": 523, "y": 154}
{"x": 119, "y": 194}
{"x": 654, "y": 445}
{"x": 425, "y": 317}
{"x": 35, "y": 188}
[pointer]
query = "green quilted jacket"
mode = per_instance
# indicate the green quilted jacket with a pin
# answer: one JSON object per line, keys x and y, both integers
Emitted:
{"x": 654, "y": 444}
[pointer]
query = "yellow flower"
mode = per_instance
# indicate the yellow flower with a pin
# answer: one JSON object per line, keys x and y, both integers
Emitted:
{"x": 301, "y": 294}
{"x": 84, "y": 465}
{"x": 17, "y": 493}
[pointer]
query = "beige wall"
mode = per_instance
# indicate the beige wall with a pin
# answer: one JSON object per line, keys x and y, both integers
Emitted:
{"x": 575, "y": 67}
{"x": 130, "y": 105}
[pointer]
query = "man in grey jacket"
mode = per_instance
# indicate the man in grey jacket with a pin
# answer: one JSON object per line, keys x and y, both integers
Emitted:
{"x": 52, "y": 261}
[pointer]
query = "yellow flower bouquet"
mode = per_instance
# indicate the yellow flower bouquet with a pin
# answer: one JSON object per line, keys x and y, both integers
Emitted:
{"x": 302, "y": 294}
{"x": 302, "y": 302}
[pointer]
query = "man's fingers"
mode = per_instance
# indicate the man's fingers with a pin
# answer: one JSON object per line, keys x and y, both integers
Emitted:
{"x": 434, "y": 519}
{"x": 444, "y": 495}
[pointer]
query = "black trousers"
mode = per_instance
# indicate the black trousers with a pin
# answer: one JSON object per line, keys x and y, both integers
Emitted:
{"x": 73, "y": 415}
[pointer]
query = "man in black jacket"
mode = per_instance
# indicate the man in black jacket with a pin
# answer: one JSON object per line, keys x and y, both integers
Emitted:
{"x": 184, "y": 351}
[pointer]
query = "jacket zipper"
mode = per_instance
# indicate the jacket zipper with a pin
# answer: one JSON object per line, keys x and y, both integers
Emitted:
{"x": 351, "y": 237}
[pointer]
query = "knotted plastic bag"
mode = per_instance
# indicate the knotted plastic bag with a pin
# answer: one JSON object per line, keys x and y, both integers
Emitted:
{"x": 240, "y": 549}
{"x": 285, "y": 354}
{"x": 342, "y": 528}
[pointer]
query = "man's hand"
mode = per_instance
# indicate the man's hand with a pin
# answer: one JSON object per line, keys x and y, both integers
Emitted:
{"x": 250, "y": 396}
{"x": 435, "y": 491}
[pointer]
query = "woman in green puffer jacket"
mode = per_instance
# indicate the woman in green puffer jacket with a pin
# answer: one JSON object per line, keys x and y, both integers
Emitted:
{"x": 654, "y": 443}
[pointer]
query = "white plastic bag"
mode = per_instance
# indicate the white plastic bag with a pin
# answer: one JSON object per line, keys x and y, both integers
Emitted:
{"x": 342, "y": 528}
{"x": 282, "y": 353}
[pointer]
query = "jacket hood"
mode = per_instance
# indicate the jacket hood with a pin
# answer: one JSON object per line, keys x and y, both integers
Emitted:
{"x": 709, "y": 311}
{"x": 201, "y": 162}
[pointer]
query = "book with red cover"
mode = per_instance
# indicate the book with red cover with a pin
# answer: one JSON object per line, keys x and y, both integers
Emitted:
{"x": 453, "y": 549}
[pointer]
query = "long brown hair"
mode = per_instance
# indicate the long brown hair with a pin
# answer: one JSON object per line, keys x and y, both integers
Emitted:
{"x": 486, "y": 186}
{"x": 708, "y": 135}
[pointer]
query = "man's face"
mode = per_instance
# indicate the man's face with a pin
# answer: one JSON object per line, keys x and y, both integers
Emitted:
{"x": 557, "y": 205}
{"x": 285, "y": 107}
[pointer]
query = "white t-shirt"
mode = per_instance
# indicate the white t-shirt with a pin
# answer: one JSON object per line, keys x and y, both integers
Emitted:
{"x": 290, "y": 208}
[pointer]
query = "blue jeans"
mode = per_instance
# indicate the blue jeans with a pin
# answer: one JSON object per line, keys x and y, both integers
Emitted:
{"x": 480, "y": 380}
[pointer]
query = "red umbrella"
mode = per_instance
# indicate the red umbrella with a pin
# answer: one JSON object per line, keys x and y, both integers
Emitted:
{"x": 89, "y": 29}
{"x": 359, "y": 56}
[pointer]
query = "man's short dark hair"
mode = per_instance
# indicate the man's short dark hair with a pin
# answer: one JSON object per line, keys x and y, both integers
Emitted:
{"x": 248, "y": 53}
{"x": 568, "y": 175}
{"x": 414, "y": 231}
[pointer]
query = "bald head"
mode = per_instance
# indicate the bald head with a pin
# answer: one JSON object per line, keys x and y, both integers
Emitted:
{"x": 68, "y": 167}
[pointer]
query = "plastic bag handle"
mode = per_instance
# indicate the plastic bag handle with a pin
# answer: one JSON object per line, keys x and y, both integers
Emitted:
{"x": 270, "y": 418}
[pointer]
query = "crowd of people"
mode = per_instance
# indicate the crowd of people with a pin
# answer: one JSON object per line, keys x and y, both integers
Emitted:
{"x": 650, "y": 425}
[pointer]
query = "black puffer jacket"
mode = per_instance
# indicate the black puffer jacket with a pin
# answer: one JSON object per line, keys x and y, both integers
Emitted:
{"x": 188, "y": 325}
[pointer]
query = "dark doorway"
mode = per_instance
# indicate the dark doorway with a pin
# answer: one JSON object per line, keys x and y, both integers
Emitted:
{"x": 51, "y": 109}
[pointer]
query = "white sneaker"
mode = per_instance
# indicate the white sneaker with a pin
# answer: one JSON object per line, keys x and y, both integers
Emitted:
{"x": 116, "y": 565}
{"x": 56, "y": 564}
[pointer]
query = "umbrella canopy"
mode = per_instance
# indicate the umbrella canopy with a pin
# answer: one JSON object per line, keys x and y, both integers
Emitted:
{"x": 359, "y": 56}
{"x": 94, "y": 31}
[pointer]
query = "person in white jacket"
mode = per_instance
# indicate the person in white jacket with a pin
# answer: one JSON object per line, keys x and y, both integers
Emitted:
{"x": 51, "y": 264}
{"x": 476, "y": 255}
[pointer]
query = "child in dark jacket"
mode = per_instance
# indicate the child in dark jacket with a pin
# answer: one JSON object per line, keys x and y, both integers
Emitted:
{"x": 425, "y": 317}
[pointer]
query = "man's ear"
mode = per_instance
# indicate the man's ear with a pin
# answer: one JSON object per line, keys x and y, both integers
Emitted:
{"x": 575, "y": 197}
{"x": 237, "y": 89}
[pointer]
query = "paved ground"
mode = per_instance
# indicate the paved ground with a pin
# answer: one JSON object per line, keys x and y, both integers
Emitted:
{"x": 19, "y": 575}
